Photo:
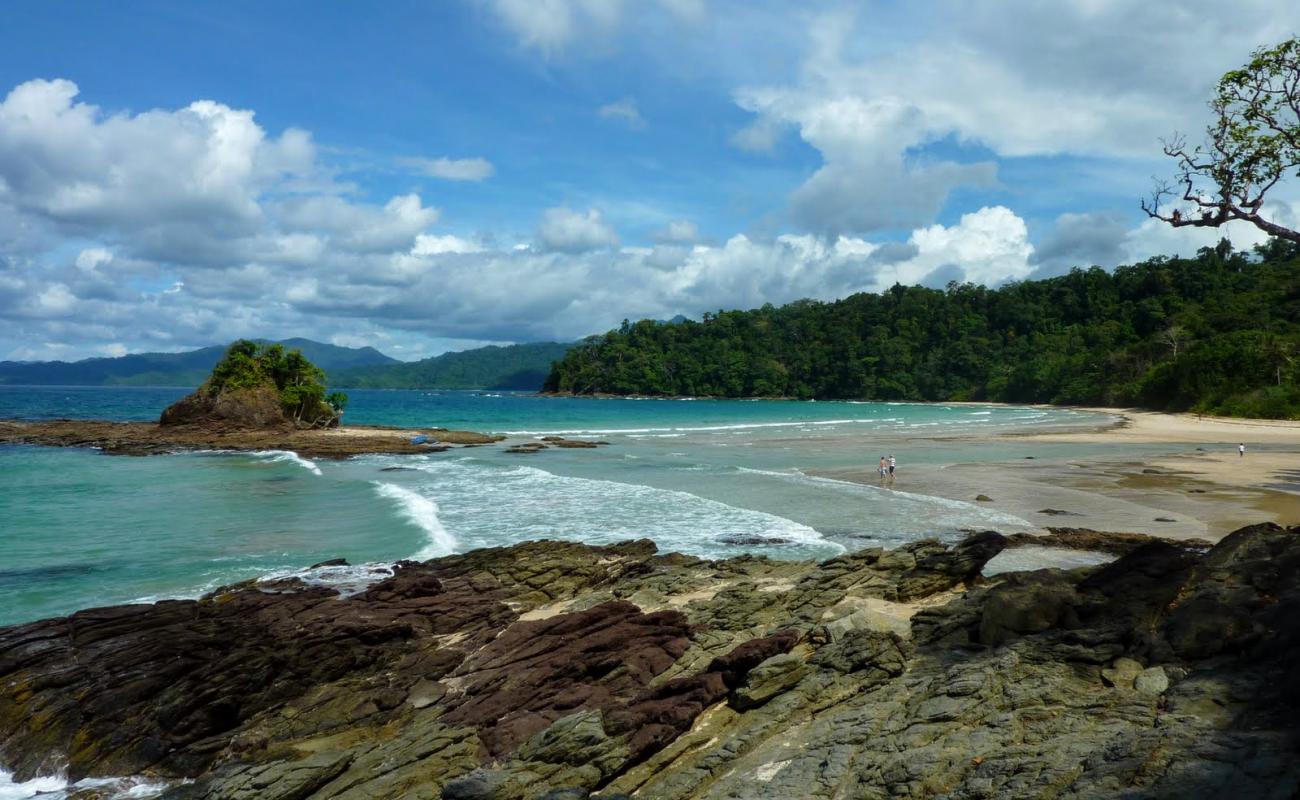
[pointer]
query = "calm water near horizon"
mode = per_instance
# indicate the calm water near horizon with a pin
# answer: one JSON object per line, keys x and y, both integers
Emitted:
{"x": 713, "y": 478}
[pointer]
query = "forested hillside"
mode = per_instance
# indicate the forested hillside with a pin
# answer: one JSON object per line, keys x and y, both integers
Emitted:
{"x": 171, "y": 369}
{"x": 519, "y": 366}
{"x": 1216, "y": 333}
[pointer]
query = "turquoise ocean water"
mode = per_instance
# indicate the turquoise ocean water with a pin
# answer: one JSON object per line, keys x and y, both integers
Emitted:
{"x": 711, "y": 478}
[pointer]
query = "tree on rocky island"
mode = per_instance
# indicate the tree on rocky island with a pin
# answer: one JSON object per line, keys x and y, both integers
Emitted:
{"x": 260, "y": 385}
{"x": 1253, "y": 144}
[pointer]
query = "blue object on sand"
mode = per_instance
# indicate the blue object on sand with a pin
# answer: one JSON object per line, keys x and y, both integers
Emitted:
{"x": 421, "y": 439}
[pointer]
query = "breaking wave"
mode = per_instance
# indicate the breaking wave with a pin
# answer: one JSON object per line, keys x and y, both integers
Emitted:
{"x": 287, "y": 456}
{"x": 422, "y": 512}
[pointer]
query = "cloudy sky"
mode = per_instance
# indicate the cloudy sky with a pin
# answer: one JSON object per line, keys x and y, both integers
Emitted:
{"x": 432, "y": 176}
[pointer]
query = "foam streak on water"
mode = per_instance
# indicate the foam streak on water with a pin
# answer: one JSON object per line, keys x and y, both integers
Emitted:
{"x": 422, "y": 512}
{"x": 9, "y": 790}
{"x": 489, "y": 505}
{"x": 53, "y": 787}
{"x": 287, "y": 456}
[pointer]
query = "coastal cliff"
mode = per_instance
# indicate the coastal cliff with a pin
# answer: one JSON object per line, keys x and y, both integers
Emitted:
{"x": 562, "y": 671}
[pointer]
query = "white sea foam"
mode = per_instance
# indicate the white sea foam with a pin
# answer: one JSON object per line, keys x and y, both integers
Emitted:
{"x": 287, "y": 456}
{"x": 422, "y": 512}
{"x": 11, "y": 790}
{"x": 492, "y": 505}
{"x": 346, "y": 580}
{"x": 52, "y": 787}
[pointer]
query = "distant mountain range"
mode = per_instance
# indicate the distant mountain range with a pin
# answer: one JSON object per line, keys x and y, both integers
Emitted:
{"x": 511, "y": 367}
{"x": 516, "y": 366}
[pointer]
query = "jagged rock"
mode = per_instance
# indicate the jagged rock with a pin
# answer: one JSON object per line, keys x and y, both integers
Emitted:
{"x": 1101, "y": 541}
{"x": 526, "y": 671}
{"x": 535, "y": 672}
{"x": 942, "y": 569}
{"x": 770, "y": 678}
{"x": 865, "y": 649}
{"x": 751, "y": 541}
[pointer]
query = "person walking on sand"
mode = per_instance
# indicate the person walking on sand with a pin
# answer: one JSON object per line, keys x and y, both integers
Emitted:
{"x": 892, "y": 464}
{"x": 1241, "y": 450}
{"x": 883, "y": 468}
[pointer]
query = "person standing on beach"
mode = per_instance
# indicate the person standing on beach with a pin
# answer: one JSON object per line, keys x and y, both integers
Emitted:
{"x": 883, "y": 468}
{"x": 892, "y": 464}
{"x": 1241, "y": 450}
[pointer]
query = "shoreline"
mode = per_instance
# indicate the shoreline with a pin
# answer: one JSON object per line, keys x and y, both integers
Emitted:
{"x": 1175, "y": 476}
{"x": 1189, "y": 482}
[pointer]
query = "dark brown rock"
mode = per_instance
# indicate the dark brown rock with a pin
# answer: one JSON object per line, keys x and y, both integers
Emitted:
{"x": 536, "y": 672}
{"x": 241, "y": 408}
{"x": 1170, "y": 672}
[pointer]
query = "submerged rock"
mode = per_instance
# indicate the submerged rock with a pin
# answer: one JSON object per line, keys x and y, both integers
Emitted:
{"x": 558, "y": 670}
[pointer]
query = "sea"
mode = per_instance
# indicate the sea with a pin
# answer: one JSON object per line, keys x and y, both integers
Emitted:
{"x": 712, "y": 478}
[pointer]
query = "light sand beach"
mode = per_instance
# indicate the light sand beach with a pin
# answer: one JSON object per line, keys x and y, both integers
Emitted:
{"x": 1187, "y": 482}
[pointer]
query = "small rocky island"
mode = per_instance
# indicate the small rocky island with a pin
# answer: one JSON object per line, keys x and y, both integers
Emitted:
{"x": 260, "y": 386}
{"x": 561, "y": 671}
{"x": 258, "y": 397}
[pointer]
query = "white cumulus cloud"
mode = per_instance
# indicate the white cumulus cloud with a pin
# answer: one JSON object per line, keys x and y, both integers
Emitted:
{"x": 1008, "y": 80}
{"x": 568, "y": 231}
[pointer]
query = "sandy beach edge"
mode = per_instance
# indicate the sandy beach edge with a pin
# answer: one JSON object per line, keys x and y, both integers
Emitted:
{"x": 1172, "y": 475}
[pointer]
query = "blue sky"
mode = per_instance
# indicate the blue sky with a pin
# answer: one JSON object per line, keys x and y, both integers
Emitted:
{"x": 407, "y": 79}
{"x": 434, "y": 176}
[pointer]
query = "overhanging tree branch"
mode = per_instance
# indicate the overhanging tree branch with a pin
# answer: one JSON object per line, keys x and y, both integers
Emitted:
{"x": 1253, "y": 144}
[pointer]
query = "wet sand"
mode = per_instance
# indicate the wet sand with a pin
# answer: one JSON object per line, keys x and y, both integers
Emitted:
{"x": 1191, "y": 483}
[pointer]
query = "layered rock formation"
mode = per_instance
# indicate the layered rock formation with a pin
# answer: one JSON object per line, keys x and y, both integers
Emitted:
{"x": 147, "y": 438}
{"x": 555, "y": 670}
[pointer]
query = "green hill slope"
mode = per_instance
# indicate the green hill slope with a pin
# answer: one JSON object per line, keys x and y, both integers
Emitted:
{"x": 1217, "y": 333}
{"x": 519, "y": 366}
{"x": 171, "y": 369}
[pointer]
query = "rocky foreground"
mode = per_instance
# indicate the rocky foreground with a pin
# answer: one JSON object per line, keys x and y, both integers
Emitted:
{"x": 555, "y": 670}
